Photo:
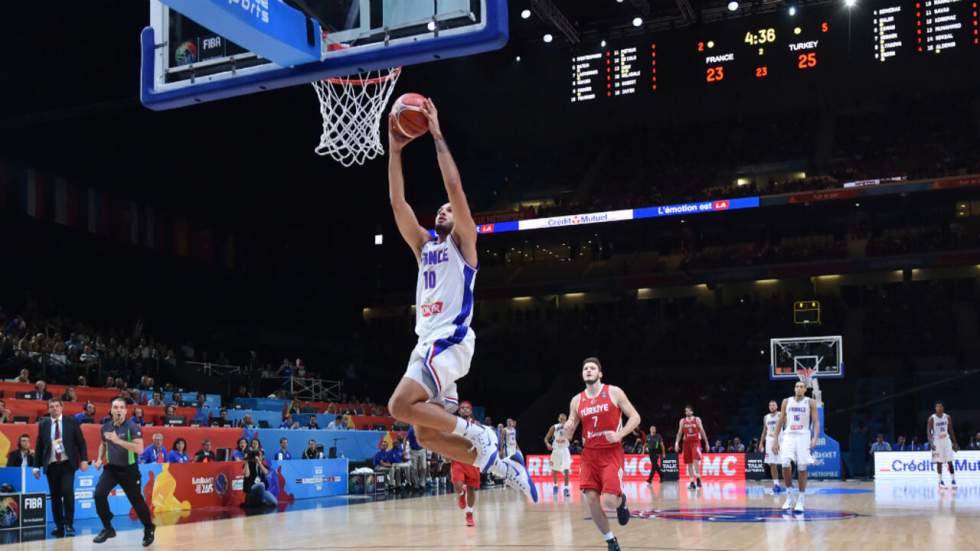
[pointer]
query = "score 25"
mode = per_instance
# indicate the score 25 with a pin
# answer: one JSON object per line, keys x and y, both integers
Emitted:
{"x": 806, "y": 61}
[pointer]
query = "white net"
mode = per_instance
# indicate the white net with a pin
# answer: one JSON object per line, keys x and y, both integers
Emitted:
{"x": 352, "y": 109}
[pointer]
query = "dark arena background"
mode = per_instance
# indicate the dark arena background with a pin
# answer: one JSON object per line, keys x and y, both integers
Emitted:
{"x": 713, "y": 198}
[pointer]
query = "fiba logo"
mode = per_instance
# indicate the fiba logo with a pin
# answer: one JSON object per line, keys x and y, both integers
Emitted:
{"x": 221, "y": 484}
{"x": 186, "y": 53}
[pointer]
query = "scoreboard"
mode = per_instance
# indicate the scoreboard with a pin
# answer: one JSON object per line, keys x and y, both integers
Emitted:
{"x": 871, "y": 39}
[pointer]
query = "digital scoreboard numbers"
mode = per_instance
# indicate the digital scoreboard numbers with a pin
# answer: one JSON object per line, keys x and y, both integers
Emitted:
{"x": 944, "y": 24}
{"x": 588, "y": 77}
{"x": 877, "y": 38}
{"x": 623, "y": 72}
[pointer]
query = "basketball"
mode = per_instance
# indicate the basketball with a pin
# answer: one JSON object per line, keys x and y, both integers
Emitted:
{"x": 409, "y": 118}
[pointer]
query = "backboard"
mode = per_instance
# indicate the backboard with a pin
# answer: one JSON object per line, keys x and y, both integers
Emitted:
{"x": 825, "y": 354}
{"x": 196, "y": 51}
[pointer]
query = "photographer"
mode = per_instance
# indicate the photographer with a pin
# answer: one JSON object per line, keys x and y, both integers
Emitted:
{"x": 257, "y": 481}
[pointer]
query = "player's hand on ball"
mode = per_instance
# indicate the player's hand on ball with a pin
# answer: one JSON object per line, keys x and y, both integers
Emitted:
{"x": 612, "y": 436}
{"x": 396, "y": 140}
{"x": 431, "y": 113}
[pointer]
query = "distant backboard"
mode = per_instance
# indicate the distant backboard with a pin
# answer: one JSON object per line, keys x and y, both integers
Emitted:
{"x": 825, "y": 354}
{"x": 188, "y": 60}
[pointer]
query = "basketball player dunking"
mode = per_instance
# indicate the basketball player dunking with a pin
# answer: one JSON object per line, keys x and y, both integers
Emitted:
{"x": 797, "y": 414}
{"x": 426, "y": 396}
{"x": 561, "y": 458}
{"x": 693, "y": 432}
{"x": 600, "y": 409}
{"x": 942, "y": 440}
{"x": 466, "y": 478}
{"x": 766, "y": 441}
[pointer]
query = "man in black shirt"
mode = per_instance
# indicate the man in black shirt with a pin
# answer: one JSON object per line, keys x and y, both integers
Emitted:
{"x": 23, "y": 454}
{"x": 205, "y": 455}
{"x": 311, "y": 451}
{"x": 122, "y": 442}
{"x": 655, "y": 445}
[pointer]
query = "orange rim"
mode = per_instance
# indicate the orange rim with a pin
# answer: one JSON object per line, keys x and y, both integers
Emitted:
{"x": 365, "y": 81}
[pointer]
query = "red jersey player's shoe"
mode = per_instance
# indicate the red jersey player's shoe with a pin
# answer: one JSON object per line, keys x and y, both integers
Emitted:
{"x": 461, "y": 501}
{"x": 469, "y": 520}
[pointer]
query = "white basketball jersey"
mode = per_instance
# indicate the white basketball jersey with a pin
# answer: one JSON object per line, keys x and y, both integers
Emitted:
{"x": 771, "y": 420}
{"x": 797, "y": 416}
{"x": 561, "y": 441}
{"x": 510, "y": 438}
{"x": 443, "y": 293}
{"x": 940, "y": 427}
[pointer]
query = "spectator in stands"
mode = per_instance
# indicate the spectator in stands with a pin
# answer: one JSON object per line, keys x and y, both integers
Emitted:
{"x": 69, "y": 394}
{"x": 718, "y": 447}
{"x": 6, "y": 416}
{"x": 916, "y": 446}
{"x": 880, "y": 445}
{"x": 247, "y": 422}
{"x": 87, "y": 415}
{"x": 177, "y": 398}
{"x": 170, "y": 416}
{"x": 222, "y": 420}
{"x": 311, "y": 451}
{"x": 975, "y": 442}
{"x": 287, "y": 421}
{"x": 138, "y": 416}
{"x": 156, "y": 400}
{"x": 24, "y": 377}
{"x": 110, "y": 382}
{"x": 255, "y": 445}
{"x": 339, "y": 423}
{"x": 575, "y": 446}
{"x": 40, "y": 391}
{"x": 241, "y": 449}
{"x": 738, "y": 446}
{"x": 901, "y": 445}
{"x": 282, "y": 452}
{"x": 179, "y": 453}
{"x": 155, "y": 453}
{"x": 200, "y": 400}
{"x": 88, "y": 356}
{"x": 205, "y": 454}
{"x": 312, "y": 424}
{"x": 23, "y": 455}
{"x": 82, "y": 381}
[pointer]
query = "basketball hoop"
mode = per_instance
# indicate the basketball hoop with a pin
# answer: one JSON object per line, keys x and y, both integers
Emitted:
{"x": 806, "y": 375}
{"x": 352, "y": 108}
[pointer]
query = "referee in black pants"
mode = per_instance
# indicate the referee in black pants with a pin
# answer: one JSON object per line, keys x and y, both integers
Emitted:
{"x": 122, "y": 442}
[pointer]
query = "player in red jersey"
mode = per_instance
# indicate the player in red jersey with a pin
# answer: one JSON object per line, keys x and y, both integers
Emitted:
{"x": 600, "y": 409}
{"x": 466, "y": 478}
{"x": 693, "y": 432}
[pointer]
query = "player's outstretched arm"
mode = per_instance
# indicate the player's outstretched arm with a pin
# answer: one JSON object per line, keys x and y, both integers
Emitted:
{"x": 464, "y": 228}
{"x": 408, "y": 224}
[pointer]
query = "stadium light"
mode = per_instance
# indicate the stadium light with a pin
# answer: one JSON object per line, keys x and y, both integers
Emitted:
{"x": 548, "y": 38}
{"x": 637, "y": 21}
{"x": 379, "y": 239}
{"x": 525, "y": 14}
{"x": 792, "y": 10}
{"x": 733, "y": 6}
{"x": 850, "y": 3}
{"x": 431, "y": 26}
{"x": 602, "y": 44}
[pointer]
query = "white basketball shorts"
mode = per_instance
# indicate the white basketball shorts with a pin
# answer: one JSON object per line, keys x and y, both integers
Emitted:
{"x": 795, "y": 448}
{"x": 942, "y": 451}
{"x": 438, "y": 364}
{"x": 561, "y": 460}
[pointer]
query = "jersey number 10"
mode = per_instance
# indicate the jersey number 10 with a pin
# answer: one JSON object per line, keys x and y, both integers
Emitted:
{"x": 430, "y": 279}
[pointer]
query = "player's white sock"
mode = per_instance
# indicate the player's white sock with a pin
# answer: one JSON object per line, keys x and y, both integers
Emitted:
{"x": 468, "y": 509}
{"x": 609, "y": 536}
{"x": 460, "y": 426}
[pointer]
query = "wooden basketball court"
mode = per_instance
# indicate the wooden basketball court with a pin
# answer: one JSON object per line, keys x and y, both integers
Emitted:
{"x": 722, "y": 516}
